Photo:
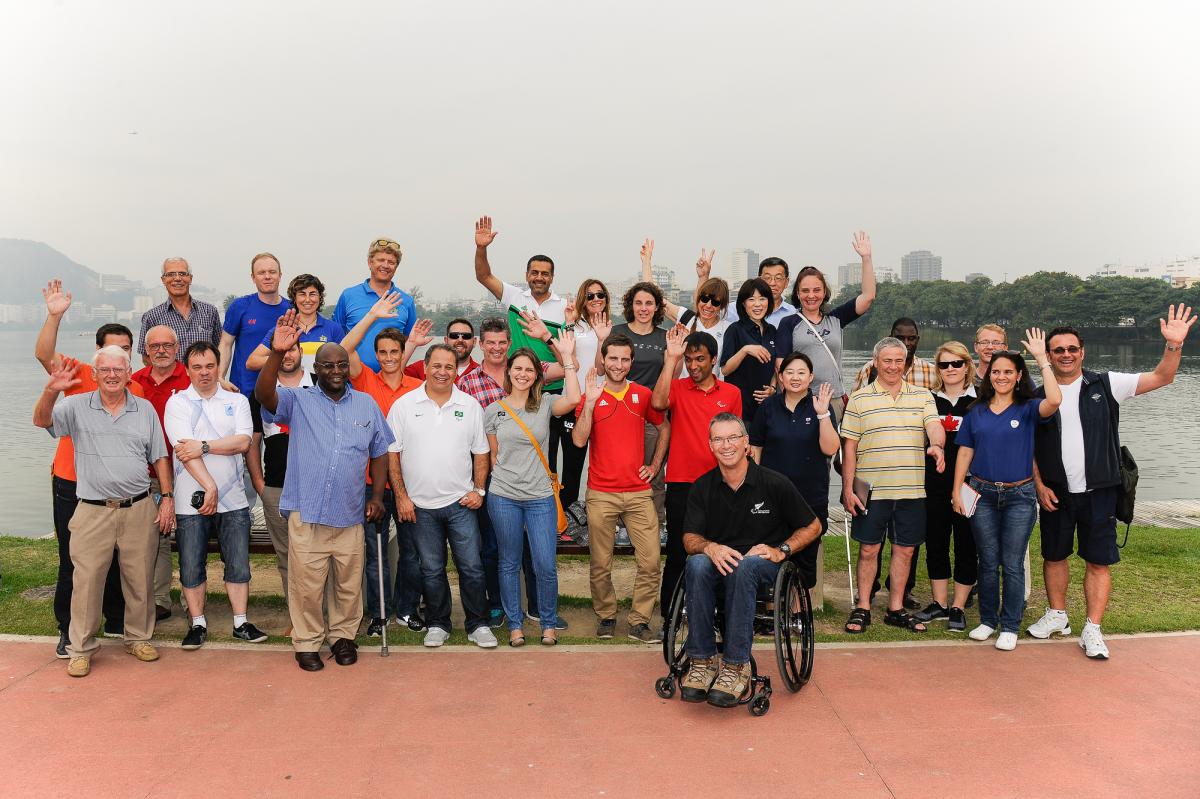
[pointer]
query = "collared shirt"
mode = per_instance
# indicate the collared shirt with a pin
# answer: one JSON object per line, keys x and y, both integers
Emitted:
{"x": 752, "y": 374}
{"x": 922, "y": 374}
{"x": 192, "y": 417}
{"x": 765, "y": 509}
{"x": 791, "y": 445}
{"x": 329, "y": 444}
{"x": 203, "y": 323}
{"x": 323, "y": 331}
{"x": 436, "y": 444}
{"x": 158, "y": 393}
{"x": 552, "y": 309}
{"x": 111, "y": 452}
{"x": 357, "y": 301}
{"x": 481, "y": 386}
{"x": 274, "y": 438}
{"x": 692, "y": 408}
{"x": 64, "y": 455}
{"x": 891, "y": 438}
{"x": 776, "y": 316}
{"x": 246, "y": 319}
{"x": 417, "y": 369}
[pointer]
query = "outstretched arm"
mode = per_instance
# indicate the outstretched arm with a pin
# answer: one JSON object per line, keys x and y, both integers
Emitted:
{"x": 866, "y": 296}
{"x": 484, "y": 235}
{"x": 1174, "y": 331}
{"x": 57, "y": 303}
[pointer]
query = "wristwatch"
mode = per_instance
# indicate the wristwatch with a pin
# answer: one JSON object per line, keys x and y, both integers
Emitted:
{"x": 479, "y": 491}
{"x": 785, "y": 549}
{"x": 167, "y": 495}
{"x": 203, "y": 447}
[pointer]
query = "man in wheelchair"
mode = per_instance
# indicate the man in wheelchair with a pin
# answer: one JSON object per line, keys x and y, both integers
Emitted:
{"x": 742, "y": 522}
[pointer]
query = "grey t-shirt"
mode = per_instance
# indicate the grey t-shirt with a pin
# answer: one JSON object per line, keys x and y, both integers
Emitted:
{"x": 111, "y": 452}
{"x": 519, "y": 473}
{"x": 648, "y": 352}
{"x": 796, "y": 336}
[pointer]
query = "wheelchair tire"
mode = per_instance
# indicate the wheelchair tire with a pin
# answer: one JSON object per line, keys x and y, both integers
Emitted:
{"x": 759, "y": 705}
{"x": 665, "y": 687}
{"x": 795, "y": 638}
{"x": 675, "y": 635}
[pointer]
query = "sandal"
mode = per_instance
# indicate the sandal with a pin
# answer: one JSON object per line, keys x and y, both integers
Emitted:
{"x": 549, "y": 637}
{"x": 516, "y": 638}
{"x": 860, "y": 617}
{"x": 900, "y": 618}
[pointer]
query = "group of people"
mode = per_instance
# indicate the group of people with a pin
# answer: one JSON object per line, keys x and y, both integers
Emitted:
{"x": 720, "y": 428}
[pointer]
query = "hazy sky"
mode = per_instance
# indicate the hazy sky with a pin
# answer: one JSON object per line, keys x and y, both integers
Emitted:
{"x": 1006, "y": 139}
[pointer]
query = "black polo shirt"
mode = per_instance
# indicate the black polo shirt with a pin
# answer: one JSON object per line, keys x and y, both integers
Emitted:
{"x": 791, "y": 445}
{"x": 751, "y": 374}
{"x": 766, "y": 509}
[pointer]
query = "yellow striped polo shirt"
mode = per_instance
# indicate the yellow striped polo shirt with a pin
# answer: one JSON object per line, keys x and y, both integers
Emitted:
{"x": 891, "y": 438}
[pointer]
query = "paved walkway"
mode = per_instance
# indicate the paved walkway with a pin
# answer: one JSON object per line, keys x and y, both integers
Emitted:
{"x": 1042, "y": 721}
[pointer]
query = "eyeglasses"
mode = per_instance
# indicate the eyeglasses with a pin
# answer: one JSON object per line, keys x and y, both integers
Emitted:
{"x": 711, "y": 299}
{"x": 173, "y": 275}
{"x": 774, "y": 278}
{"x": 992, "y": 343}
{"x": 958, "y": 364}
{"x": 460, "y": 336}
{"x": 1063, "y": 350}
{"x": 722, "y": 441}
{"x": 170, "y": 345}
{"x": 595, "y": 295}
{"x": 112, "y": 370}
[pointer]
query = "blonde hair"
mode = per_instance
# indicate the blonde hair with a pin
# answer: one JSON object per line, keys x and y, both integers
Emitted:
{"x": 995, "y": 329}
{"x": 959, "y": 350}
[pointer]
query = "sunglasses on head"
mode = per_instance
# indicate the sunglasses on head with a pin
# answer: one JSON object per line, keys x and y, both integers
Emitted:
{"x": 956, "y": 364}
{"x": 711, "y": 299}
{"x": 385, "y": 243}
{"x": 596, "y": 295}
{"x": 460, "y": 336}
{"x": 1072, "y": 349}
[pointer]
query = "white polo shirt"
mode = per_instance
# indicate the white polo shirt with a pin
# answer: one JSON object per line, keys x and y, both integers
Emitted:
{"x": 554, "y": 309}
{"x": 190, "y": 416}
{"x": 436, "y": 445}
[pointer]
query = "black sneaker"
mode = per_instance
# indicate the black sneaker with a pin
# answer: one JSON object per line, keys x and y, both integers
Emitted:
{"x": 195, "y": 637}
{"x": 60, "y": 651}
{"x": 643, "y": 633}
{"x": 606, "y": 628}
{"x": 246, "y": 632}
{"x": 161, "y": 613}
{"x": 958, "y": 620}
{"x": 932, "y": 612}
{"x": 910, "y": 602}
{"x": 414, "y": 622}
{"x": 375, "y": 628}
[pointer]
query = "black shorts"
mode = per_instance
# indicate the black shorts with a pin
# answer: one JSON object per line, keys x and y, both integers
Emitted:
{"x": 908, "y": 515}
{"x": 1093, "y": 514}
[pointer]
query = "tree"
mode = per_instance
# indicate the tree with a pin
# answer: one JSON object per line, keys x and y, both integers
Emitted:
{"x": 229, "y": 298}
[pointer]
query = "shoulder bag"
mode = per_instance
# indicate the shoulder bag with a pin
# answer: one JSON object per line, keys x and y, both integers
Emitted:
{"x": 554, "y": 484}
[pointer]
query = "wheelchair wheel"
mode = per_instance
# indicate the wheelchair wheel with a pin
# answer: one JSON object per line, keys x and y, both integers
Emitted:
{"x": 795, "y": 637}
{"x": 665, "y": 687}
{"x": 759, "y": 705}
{"x": 675, "y": 636}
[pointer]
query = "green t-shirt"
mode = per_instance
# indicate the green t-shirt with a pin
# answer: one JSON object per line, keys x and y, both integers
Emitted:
{"x": 540, "y": 348}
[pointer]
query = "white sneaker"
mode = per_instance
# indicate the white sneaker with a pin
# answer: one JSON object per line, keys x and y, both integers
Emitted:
{"x": 436, "y": 636}
{"x": 1007, "y": 641}
{"x": 1052, "y": 622}
{"x": 982, "y": 632}
{"x": 1091, "y": 641}
{"x": 482, "y": 636}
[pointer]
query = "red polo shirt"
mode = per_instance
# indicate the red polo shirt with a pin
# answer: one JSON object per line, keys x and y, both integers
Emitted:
{"x": 159, "y": 393}
{"x": 617, "y": 423}
{"x": 691, "y": 411}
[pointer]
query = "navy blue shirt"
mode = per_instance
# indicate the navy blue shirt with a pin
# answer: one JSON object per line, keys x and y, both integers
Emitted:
{"x": 791, "y": 445}
{"x": 751, "y": 375}
{"x": 1003, "y": 442}
{"x": 247, "y": 319}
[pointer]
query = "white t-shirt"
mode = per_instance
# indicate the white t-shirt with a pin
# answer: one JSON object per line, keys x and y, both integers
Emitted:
{"x": 587, "y": 344}
{"x": 190, "y": 416}
{"x": 272, "y": 429}
{"x": 436, "y": 445}
{"x": 1124, "y": 386}
{"x": 554, "y": 309}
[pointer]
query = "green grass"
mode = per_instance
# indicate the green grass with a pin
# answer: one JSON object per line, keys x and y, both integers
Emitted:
{"x": 1153, "y": 590}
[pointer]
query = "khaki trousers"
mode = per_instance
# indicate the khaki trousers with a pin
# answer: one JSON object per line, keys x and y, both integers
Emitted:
{"x": 162, "y": 561}
{"x": 95, "y": 531}
{"x": 658, "y": 485}
{"x": 277, "y": 528}
{"x": 636, "y": 509}
{"x": 314, "y": 552}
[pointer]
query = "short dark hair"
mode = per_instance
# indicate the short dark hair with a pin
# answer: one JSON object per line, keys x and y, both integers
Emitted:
{"x": 795, "y": 356}
{"x": 774, "y": 262}
{"x": 543, "y": 258}
{"x": 701, "y": 341}
{"x": 199, "y": 348}
{"x": 905, "y": 321}
{"x": 616, "y": 340}
{"x": 305, "y": 281}
{"x": 460, "y": 321}
{"x": 112, "y": 329}
{"x": 439, "y": 347}
{"x": 1063, "y": 330}
{"x": 748, "y": 290}
{"x": 493, "y": 324}
{"x": 655, "y": 292}
{"x": 391, "y": 334}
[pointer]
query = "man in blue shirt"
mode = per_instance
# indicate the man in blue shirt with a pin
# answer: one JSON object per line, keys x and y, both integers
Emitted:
{"x": 333, "y": 432}
{"x": 247, "y": 319}
{"x": 382, "y": 259}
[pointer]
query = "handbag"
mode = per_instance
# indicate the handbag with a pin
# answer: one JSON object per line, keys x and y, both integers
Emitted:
{"x": 554, "y": 484}
{"x": 1127, "y": 466}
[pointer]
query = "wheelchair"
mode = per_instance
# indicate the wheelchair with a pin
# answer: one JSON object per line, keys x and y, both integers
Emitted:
{"x": 784, "y": 612}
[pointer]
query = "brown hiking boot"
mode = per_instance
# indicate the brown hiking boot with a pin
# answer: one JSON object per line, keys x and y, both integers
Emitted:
{"x": 699, "y": 679}
{"x": 79, "y": 666}
{"x": 731, "y": 685}
{"x": 142, "y": 651}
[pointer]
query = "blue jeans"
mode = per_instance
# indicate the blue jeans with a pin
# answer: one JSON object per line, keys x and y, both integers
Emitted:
{"x": 405, "y": 593}
{"x": 516, "y": 522}
{"x": 491, "y": 564}
{"x": 233, "y": 537}
{"x": 457, "y": 526}
{"x": 742, "y": 586}
{"x": 1002, "y": 524}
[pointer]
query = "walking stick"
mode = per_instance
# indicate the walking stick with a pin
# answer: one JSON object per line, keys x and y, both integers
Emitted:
{"x": 849, "y": 563}
{"x": 383, "y": 650}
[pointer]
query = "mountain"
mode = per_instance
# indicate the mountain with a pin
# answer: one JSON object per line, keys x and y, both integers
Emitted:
{"x": 28, "y": 265}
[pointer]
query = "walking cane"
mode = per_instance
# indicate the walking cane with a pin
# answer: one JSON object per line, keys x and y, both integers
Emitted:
{"x": 383, "y": 650}
{"x": 849, "y": 563}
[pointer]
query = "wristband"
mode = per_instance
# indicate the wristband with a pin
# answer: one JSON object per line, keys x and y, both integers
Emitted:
{"x": 1173, "y": 348}
{"x": 823, "y": 415}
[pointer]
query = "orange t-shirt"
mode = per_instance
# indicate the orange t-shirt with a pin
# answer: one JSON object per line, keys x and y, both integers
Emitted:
{"x": 371, "y": 382}
{"x": 64, "y": 456}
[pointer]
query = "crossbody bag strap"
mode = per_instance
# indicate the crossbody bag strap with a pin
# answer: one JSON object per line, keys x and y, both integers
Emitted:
{"x": 821, "y": 339}
{"x": 536, "y": 447}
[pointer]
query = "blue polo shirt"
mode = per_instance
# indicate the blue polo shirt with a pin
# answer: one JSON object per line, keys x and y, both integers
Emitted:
{"x": 751, "y": 375}
{"x": 1003, "y": 442}
{"x": 791, "y": 445}
{"x": 247, "y": 319}
{"x": 356, "y": 302}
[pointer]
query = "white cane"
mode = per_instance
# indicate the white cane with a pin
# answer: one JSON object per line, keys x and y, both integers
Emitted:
{"x": 849, "y": 563}
{"x": 383, "y": 650}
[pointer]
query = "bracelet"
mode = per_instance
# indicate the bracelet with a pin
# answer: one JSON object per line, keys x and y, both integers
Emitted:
{"x": 823, "y": 415}
{"x": 1172, "y": 348}
{"x": 570, "y": 366}
{"x": 1045, "y": 365}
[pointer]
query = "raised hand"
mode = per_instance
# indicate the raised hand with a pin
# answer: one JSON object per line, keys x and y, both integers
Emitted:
{"x": 1035, "y": 342}
{"x": 647, "y": 254}
{"x": 484, "y": 235}
{"x": 422, "y": 333}
{"x": 675, "y": 341}
{"x": 62, "y": 378}
{"x": 57, "y": 301}
{"x": 1175, "y": 327}
{"x": 385, "y": 306}
{"x": 565, "y": 344}
{"x": 592, "y": 388}
{"x": 821, "y": 398}
{"x": 704, "y": 264}
{"x": 570, "y": 313}
{"x": 532, "y": 325}
{"x": 287, "y": 331}
{"x": 602, "y": 325}
{"x": 862, "y": 244}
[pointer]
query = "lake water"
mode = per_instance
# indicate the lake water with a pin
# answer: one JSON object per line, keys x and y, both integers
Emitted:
{"x": 1162, "y": 429}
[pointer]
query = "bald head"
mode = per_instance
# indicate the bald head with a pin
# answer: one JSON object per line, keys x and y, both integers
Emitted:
{"x": 332, "y": 366}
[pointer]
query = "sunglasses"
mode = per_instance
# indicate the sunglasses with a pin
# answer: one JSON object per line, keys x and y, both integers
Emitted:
{"x": 595, "y": 295}
{"x": 952, "y": 364}
{"x": 460, "y": 336}
{"x": 385, "y": 243}
{"x": 711, "y": 299}
{"x": 1063, "y": 350}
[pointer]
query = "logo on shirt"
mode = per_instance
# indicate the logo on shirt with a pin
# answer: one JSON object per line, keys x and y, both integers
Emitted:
{"x": 1014, "y": 424}
{"x": 603, "y": 403}
{"x": 252, "y": 321}
{"x": 759, "y": 510}
{"x": 229, "y": 410}
{"x": 458, "y": 414}
{"x": 635, "y": 399}
{"x": 1097, "y": 397}
{"x": 722, "y": 404}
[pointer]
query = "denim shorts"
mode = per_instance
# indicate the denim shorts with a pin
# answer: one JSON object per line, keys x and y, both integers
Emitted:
{"x": 907, "y": 514}
{"x": 233, "y": 536}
